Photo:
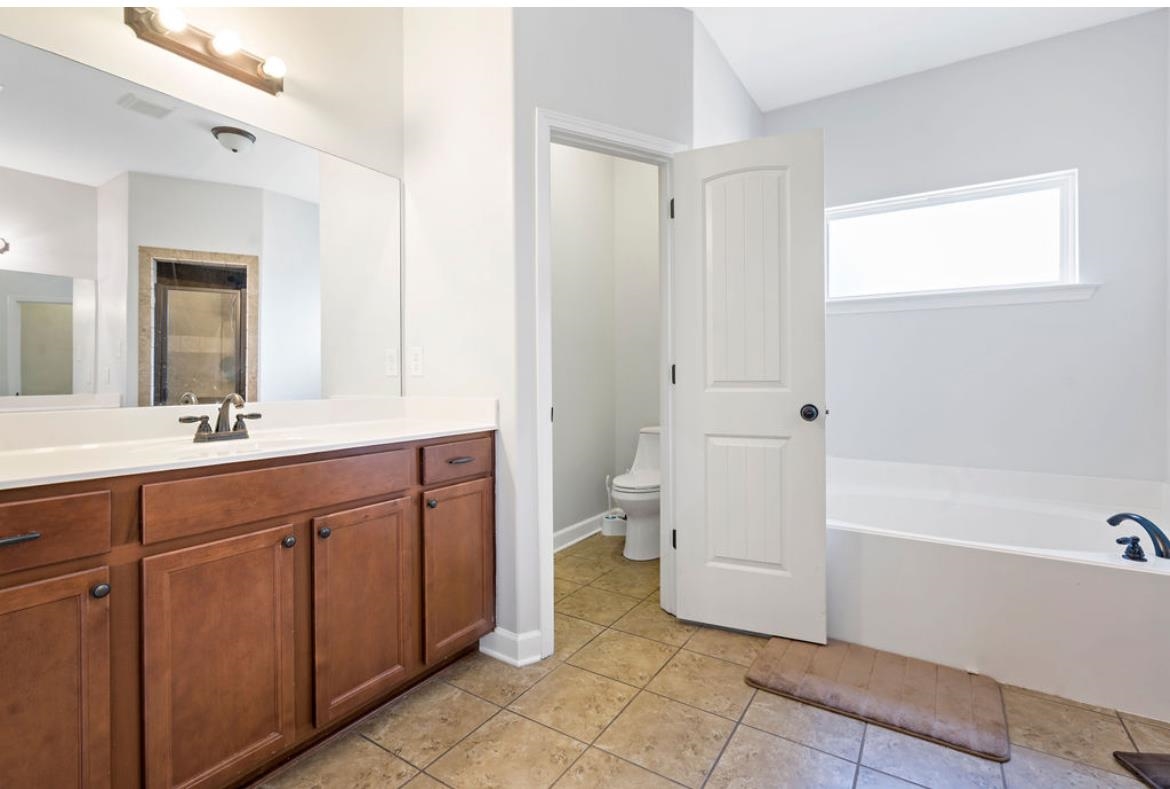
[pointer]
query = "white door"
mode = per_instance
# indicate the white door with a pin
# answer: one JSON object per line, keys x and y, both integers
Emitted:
{"x": 748, "y": 316}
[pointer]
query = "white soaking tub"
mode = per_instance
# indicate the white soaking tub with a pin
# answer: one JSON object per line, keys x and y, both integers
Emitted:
{"x": 1009, "y": 574}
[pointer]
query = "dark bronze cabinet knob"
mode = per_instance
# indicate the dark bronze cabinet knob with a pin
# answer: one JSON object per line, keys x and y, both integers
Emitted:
{"x": 289, "y": 541}
{"x": 324, "y": 532}
{"x": 432, "y": 503}
{"x": 100, "y": 591}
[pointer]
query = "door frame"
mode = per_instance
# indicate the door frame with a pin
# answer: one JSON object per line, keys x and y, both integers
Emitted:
{"x": 558, "y": 127}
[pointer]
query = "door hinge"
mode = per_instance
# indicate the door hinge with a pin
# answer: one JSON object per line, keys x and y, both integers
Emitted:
{"x": 672, "y": 208}
{"x": 674, "y": 539}
{"x": 672, "y": 378}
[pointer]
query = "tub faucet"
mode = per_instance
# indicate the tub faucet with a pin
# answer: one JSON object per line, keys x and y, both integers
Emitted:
{"x": 1157, "y": 536}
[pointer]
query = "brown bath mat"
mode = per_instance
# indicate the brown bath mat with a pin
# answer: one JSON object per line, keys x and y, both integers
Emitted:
{"x": 937, "y": 703}
{"x": 1152, "y": 768}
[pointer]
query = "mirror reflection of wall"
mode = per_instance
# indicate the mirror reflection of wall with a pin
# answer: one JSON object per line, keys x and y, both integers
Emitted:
{"x": 111, "y": 193}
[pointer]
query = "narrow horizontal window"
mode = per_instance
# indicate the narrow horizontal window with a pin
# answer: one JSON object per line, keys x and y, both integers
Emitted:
{"x": 1004, "y": 234}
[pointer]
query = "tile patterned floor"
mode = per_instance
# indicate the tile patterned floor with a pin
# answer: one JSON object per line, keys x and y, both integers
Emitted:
{"x": 635, "y": 698}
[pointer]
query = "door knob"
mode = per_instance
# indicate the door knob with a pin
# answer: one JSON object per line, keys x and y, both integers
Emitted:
{"x": 289, "y": 541}
{"x": 809, "y": 412}
{"x": 432, "y": 503}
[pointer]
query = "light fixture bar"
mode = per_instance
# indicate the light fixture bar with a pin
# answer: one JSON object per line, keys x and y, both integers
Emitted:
{"x": 195, "y": 44}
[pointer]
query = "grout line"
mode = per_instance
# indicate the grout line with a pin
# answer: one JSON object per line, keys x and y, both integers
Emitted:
{"x": 459, "y": 742}
{"x": 1128, "y": 733}
{"x": 805, "y": 744}
{"x": 734, "y": 729}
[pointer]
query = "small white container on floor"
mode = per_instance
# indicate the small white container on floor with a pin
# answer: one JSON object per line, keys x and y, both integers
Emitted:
{"x": 613, "y": 523}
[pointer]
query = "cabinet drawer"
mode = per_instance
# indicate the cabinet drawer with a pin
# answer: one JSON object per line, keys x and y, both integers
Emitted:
{"x": 55, "y": 529}
{"x": 194, "y": 506}
{"x": 442, "y": 462}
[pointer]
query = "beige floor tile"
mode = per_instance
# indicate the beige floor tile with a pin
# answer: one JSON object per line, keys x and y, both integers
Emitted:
{"x": 647, "y": 619}
{"x": 869, "y": 778}
{"x": 705, "y": 682}
{"x": 757, "y": 759}
{"x": 581, "y": 569}
{"x": 350, "y": 761}
{"x": 1076, "y": 733}
{"x": 424, "y": 781}
{"x": 564, "y": 588}
{"x": 600, "y": 770}
{"x": 596, "y": 605}
{"x": 925, "y": 762}
{"x": 424, "y": 723}
{"x": 668, "y": 738}
{"x": 635, "y": 579}
{"x": 572, "y": 634}
{"x": 621, "y": 656}
{"x": 1148, "y": 736}
{"x": 599, "y": 544}
{"x": 821, "y": 729}
{"x": 576, "y": 702}
{"x": 1060, "y": 699}
{"x": 736, "y": 647}
{"x": 493, "y": 679}
{"x": 507, "y": 752}
{"x": 1029, "y": 769}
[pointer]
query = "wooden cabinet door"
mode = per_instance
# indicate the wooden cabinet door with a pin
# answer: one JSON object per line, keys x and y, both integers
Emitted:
{"x": 458, "y": 566}
{"x": 365, "y": 604}
{"x": 55, "y": 682}
{"x": 218, "y": 663}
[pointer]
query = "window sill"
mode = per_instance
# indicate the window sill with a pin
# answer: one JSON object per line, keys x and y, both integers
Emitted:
{"x": 945, "y": 299}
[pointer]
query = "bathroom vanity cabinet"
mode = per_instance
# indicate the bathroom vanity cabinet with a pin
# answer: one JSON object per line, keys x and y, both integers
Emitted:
{"x": 196, "y": 627}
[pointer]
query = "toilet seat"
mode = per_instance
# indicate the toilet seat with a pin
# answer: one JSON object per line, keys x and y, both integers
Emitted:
{"x": 640, "y": 481}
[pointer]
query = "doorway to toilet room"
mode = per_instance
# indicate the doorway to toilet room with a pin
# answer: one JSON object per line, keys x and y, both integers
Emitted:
{"x": 606, "y": 353}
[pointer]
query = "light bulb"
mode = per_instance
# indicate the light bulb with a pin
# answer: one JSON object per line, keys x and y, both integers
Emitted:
{"x": 172, "y": 19}
{"x": 274, "y": 68}
{"x": 226, "y": 43}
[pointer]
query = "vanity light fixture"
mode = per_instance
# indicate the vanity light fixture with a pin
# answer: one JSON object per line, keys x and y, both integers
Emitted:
{"x": 167, "y": 27}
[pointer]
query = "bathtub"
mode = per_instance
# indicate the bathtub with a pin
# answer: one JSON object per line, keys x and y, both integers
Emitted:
{"x": 1009, "y": 574}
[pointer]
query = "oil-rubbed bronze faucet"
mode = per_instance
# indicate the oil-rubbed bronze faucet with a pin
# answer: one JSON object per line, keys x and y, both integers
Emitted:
{"x": 224, "y": 429}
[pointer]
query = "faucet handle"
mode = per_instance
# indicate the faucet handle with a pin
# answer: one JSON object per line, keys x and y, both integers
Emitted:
{"x": 204, "y": 423}
{"x": 239, "y": 425}
{"x": 1133, "y": 550}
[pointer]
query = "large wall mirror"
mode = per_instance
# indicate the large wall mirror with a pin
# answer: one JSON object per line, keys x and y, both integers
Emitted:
{"x": 147, "y": 261}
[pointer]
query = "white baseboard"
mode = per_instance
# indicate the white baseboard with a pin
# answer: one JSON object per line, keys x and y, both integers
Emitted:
{"x": 515, "y": 649}
{"x": 563, "y": 538}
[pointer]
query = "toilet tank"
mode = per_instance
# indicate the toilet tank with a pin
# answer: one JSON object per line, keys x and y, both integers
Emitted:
{"x": 646, "y": 456}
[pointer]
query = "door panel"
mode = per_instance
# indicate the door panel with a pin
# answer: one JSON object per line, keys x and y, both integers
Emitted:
{"x": 218, "y": 643}
{"x": 750, "y": 473}
{"x": 55, "y": 693}
{"x": 365, "y": 603}
{"x": 458, "y": 566}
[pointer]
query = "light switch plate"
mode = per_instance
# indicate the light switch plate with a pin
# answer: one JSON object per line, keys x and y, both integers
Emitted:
{"x": 391, "y": 362}
{"x": 414, "y": 359}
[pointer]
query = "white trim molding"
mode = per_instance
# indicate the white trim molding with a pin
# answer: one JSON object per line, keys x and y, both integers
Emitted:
{"x": 515, "y": 649}
{"x": 972, "y": 297}
{"x": 571, "y": 535}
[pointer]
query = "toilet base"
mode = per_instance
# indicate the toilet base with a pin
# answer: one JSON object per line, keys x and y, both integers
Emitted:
{"x": 642, "y": 538}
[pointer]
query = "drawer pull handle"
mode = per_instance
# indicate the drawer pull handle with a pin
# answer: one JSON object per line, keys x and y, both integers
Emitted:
{"x": 432, "y": 503}
{"x": 459, "y": 461}
{"x": 289, "y": 541}
{"x": 324, "y": 532}
{"x": 19, "y": 538}
{"x": 100, "y": 591}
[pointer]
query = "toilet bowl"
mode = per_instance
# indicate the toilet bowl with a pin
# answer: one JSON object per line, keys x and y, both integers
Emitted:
{"x": 636, "y": 492}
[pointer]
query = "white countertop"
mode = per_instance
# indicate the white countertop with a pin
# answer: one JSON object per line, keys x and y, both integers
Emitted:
{"x": 67, "y": 462}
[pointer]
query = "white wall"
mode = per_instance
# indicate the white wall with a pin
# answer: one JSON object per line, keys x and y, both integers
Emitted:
{"x": 583, "y": 332}
{"x": 290, "y": 299}
{"x": 343, "y": 93}
{"x": 637, "y": 349}
{"x": 723, "y": 109}
{"x": 360, "y": 280}
{"x": 1072, "y": 388}
{"x": 23, "y": 286}
{"x": 113, "y": 271}
{"x": 51, "y": 225}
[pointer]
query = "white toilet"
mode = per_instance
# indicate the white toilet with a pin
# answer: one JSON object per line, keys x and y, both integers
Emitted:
{"x": 636, "y": 492}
